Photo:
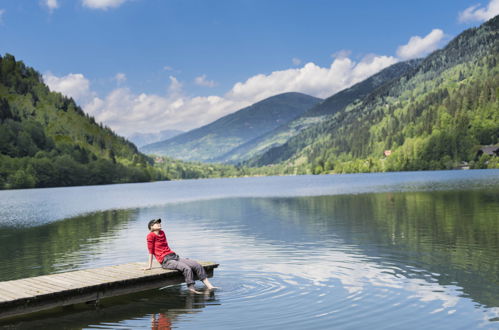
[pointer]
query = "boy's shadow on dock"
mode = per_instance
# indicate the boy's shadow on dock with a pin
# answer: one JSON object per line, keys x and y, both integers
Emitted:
{"x": 158, "y": 308}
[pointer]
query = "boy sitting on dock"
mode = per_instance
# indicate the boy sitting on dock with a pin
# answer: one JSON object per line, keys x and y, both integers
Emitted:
{"x": 158, "y": 247}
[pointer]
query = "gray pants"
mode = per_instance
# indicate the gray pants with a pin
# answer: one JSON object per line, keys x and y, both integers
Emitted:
{"x": 186, "y": 266}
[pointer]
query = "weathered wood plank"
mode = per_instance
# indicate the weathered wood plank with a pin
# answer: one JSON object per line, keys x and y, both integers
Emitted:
{"x": 23, "y": 287}
{"x": 19, "y": 297}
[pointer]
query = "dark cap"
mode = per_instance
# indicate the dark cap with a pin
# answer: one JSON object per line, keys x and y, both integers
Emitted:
{"x": 152, "y": 222}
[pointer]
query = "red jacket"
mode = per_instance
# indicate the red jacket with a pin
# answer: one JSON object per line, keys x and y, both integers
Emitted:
{"x": 158, "y": 245}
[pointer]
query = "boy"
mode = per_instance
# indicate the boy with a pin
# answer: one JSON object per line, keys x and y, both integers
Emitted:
{"x": 158, "y": 247}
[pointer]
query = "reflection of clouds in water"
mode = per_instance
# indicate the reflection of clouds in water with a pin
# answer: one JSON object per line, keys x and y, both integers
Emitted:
{"x": 319, "y": 265}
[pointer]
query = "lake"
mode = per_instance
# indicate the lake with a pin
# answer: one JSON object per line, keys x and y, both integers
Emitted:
{"x": 405, "y": 250}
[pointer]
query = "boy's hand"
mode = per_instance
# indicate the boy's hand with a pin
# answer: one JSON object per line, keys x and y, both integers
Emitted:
{"x": 146, "y": 268}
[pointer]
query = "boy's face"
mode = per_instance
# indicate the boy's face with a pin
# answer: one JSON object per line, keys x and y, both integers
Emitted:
{"x": 156, "y": 227}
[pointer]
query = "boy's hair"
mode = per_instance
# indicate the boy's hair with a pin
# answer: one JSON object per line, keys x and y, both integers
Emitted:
{"x": 152, "y": 222}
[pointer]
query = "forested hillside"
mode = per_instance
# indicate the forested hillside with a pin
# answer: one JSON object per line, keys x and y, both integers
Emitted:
{"x": 46, "y": 139}
{"x": 219, "y": 137}
{"x": 434, "y": 117}
{"x": 316, "y": 114}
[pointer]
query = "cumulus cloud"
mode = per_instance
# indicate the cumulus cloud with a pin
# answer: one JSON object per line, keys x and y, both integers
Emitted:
{"x": 311, "y": 78}
{"x": 127, "y": 112}
{"x": 417, "y": 46}
{"x": 120, "y": 78}
{"x": 202, "y": 81}
{"x": 51, "y": 4}
{"x": 102, "y": 4}
{"x": 73, "y": 85}
{"x": 477, "y": 13}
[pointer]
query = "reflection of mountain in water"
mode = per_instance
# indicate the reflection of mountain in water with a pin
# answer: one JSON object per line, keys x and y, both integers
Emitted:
{"x": 452, "y": 236}
{"x": 40, "y": 250}
{"x": 161, "y": 307}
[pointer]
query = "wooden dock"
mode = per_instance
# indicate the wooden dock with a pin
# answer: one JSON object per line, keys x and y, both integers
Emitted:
{"x": 29, "y": 295}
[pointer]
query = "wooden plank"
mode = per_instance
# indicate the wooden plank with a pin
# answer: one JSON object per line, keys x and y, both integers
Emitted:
{"x": 57, "y": 280}
{"x": 75, "y": 279}
{"x": 92, "y": 278}
{"x": 8, "y": 292}
{"x": 49, "y": 287}
{"x": 25, "y": 287}
{"x": 113, "y": 274}
{"x": 13, "y": 291}
{"x": 62, "y": 284}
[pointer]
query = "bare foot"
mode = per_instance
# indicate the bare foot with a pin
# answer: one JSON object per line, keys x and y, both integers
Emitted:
{"x": 208, "y": 285}
{"x": 192, "y": 289}
{"x": 211, "y": 287}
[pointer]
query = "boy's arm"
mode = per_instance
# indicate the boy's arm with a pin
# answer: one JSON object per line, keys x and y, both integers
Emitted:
{"x": 150, "y": 247}
{"x": 149, "y": 263}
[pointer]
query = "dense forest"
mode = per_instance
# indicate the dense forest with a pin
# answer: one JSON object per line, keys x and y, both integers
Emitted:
{"x": 46, "y": 140}
{"x": 437, "y": 116}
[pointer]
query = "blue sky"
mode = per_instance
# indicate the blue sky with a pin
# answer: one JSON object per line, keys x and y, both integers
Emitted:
{"x": 148, "y": 65}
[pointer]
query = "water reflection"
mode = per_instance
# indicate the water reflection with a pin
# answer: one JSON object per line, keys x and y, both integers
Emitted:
{"x": 58, "y": 246}
{"x": 157, "y": 309}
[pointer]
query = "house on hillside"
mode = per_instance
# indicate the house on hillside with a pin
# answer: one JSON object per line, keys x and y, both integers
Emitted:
{"x": 387, "y": 153}
{"x": 488, "y": 150}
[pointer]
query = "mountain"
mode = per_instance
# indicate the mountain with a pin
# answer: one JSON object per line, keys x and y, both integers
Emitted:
{"x": 142, "y": 139}
{"x": 221, "y": 136}
{"x": 435, "y": 116}
{"x": 46, "y": 139}
{"x": 316, "y": 114}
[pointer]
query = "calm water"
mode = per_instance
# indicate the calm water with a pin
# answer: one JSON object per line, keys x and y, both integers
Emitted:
{"x": 384, "y": 251}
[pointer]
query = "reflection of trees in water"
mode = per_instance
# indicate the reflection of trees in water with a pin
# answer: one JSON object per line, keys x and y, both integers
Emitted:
{"x": 159, "y": 309}
{"x": 452, "y": 233}
{"x": 40, "y": 250}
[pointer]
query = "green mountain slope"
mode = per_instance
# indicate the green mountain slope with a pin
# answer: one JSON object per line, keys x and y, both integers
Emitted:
{"x": 433, "y": 117}
{"x": 226, "y": 133}
{"x": 46, "y": 140}
{"x": 316, "y": 114}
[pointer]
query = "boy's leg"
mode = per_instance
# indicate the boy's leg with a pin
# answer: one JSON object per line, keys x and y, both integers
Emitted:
{"x": 184, "y": 268}
{"x": 194, "y": 265}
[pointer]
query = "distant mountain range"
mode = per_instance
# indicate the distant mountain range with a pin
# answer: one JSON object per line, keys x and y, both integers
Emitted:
{"x": 223, "y": 135}
{"x": 142, "y": 139}
{"x": 251, "y": 131}
{"x": 316, "y": 114}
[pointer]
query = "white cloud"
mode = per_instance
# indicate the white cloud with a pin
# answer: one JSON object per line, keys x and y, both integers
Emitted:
{"x": 73, "y": 85}
{"x": 102, "y": 4}
{"x": 127, "y": 112}
{"x": 417, "y": 46}
{"x": 311, "y": 78}
{"x": 120, "y": 78}
{"x": 479, "y": 13}
{"x": 2, "y": 12}
{"x": 51, "y": 4}
{"x": 201, "y": 81}
{"x": 167, "y": 68}
{"x": 296, "y": 61}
